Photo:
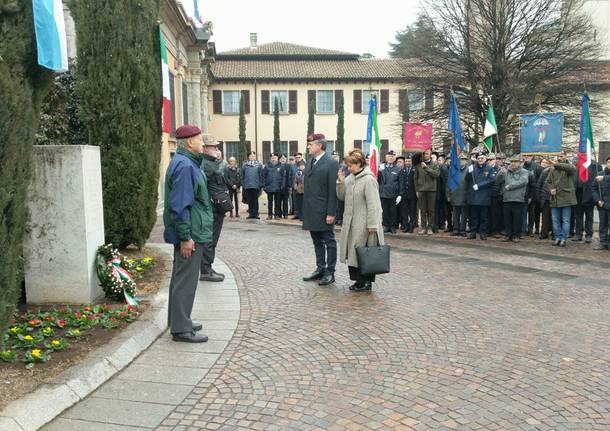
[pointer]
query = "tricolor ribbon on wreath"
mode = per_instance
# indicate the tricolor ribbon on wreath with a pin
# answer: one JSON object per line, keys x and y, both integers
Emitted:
{"x": 121, "y": 275}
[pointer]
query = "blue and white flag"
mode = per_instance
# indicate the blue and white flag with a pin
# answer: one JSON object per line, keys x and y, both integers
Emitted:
{"x": 455, "y": 127}
{"x": 50, "y": 34}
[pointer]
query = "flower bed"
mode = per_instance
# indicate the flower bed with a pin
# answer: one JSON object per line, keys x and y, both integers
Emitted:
{"x": 35, "y": 335}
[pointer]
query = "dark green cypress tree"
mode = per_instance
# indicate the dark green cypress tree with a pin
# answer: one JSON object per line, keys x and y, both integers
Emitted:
{"x": 23, "y": 84}
{"x": 119, "y": 84}
{"x": 405, "y": 111}
{"x": 276, "y": 126}
{"x": 341, "y": 128}
{"x": 242, "y": 131}
{"x": 311, "y": 118}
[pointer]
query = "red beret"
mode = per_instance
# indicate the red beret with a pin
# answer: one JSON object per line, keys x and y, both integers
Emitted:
{"x": 315, "y": 137}
{"x": 187, "y": 131}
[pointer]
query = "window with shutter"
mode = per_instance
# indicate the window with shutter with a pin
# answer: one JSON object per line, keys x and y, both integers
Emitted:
{"x": 324, "y": 102}
{"x": 357, "y": 101}
{"x": 172, "y": 95}
{"x": 185, "y": 103}
{"x": 281, "y": 97}
{"x": 384, "y": 104}
{"x": 429, "y": 100}
{"x": 357, "y": 144}
{"x": 292, "y": 102}
{"x": 367, "y": 95}
{"x": 338, "y": 96}
{"x": 216, "y": 101}
{"x": 294, "y": 147}
{"x": 385, "y": 146}
{"x": 230, "y": 102}
{"x": 248, "y": 147}
{"x": 221, "y": 147}
{"x": 265, "y": 101}
{"x": 416, "y": 100}
{"x": 311, "y": 99}
{"x": 266, "y": 151}
{"x": 245, "y": 94}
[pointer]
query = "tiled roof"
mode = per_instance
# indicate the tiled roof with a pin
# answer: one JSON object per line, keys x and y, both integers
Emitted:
{"x": 283, "y": 49}
{"x": 319, "y": 70}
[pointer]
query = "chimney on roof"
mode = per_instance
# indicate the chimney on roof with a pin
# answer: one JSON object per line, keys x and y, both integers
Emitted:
{"x": 253, "y": 40}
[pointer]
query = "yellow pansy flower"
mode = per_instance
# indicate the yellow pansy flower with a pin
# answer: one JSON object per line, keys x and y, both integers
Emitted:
{"x": 28, "y": 338}
{"x": 36, "y": 353}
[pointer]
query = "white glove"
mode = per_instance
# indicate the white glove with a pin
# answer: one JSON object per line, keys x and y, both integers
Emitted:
{"x": 470, "y": 169}
{"x": 475, "y": 187}
{"x": 398, "y": 199}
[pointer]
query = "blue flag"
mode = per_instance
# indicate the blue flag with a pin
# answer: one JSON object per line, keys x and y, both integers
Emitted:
{"x": 50, "y": 31}
{"x": 455, "y": 127}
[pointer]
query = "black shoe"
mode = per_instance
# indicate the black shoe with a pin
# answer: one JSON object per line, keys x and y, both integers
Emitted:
{"x": 326, "y": 280}
{"x": 197, "y": 326}
{"x": 562, "y": 243}
{"x": 577, "y": 238}
{"x": 314, "y": 276}
{"x": 588, "y": 240}
{"x": 249, "y": 217}
{"x": 218, "y": 274}
{"x": 367, "y": 285}
{"x": 189, "y": 337}
{"x": 392, "y": 230}
{"x": 434, "y": 230}
{"x": 357, "y": 285}
{"x": 404, "y": 230}
{"x": 472, "y": 236}
{"x": 215, "y": 278}
{"x": 506, "y": 239}
{"x": 386, "y": 229}
{"x": 483, "y": 237}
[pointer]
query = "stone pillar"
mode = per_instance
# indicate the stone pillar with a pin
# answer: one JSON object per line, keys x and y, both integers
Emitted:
{"x": 66, "y": 225}
{"x": 194, "y": 88}
{"x": 205, "y": 82}
{"x": 70, "y": 32}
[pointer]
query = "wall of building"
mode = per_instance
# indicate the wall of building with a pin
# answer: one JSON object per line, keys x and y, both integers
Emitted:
{"x": 599, "y": 10}
{"x": 293, "y": 127}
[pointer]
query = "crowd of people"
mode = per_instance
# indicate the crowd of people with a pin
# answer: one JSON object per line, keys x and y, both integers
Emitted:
{"x": 495, "y": 196}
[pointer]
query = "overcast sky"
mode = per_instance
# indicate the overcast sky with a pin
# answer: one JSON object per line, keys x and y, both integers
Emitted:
{"x": 357, "y": 26}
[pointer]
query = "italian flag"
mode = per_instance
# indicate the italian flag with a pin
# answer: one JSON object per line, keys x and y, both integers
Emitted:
{"x": 372, "y": 136}
{"x": 166, "y": 114}
{"x": 490, "y": 127}
{"x": 585, "y": 144}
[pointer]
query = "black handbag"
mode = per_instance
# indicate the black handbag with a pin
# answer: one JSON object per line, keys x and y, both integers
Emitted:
{"x": 222, "y": 202}
{"x": 373, "y": 260}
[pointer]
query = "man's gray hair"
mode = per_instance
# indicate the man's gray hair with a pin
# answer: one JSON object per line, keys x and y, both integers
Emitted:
{"x": 322, "y": 144}
{"x": 181, "y": 142}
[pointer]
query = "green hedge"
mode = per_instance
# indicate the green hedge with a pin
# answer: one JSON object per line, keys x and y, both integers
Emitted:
{"x": 22, "y": 85}
{"x": 118, "y": 81}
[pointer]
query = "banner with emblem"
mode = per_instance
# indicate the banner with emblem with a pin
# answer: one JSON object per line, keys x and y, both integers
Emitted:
{"x": 541, "y": 133}
{"x": 417, "y": 136}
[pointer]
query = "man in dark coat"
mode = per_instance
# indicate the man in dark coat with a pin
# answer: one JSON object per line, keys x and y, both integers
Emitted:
{"x": 480, "y": 181}
{"x": 458, "y": 198}
{"x": 583, "y": 210}
{"x": 601, "y": 195}
{"x": 408, "y": 204}
{"x": 252, "y": 183}
{"x": 389, "y": 191}
{"x": 274, "y": 177}
{"x": 232, "y": 175}
{"x": 440, "y": 210}
{"x": 542, "y": 196}
{"x": 218, "y": 189}
{"x": 320, "y": 208}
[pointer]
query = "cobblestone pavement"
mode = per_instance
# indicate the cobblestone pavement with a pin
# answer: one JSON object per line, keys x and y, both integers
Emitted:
{"x": 460, "y": 335}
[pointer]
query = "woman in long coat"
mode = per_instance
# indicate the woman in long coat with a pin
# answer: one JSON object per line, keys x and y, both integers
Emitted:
{"x": 362, "y": 216}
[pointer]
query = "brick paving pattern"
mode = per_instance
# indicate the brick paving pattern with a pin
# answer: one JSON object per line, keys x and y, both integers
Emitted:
{"x": 460, "y": 336}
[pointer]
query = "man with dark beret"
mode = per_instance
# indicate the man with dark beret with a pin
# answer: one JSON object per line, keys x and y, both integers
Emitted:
{"x": 188, "y": 221}
{"x": 320, "y": 208}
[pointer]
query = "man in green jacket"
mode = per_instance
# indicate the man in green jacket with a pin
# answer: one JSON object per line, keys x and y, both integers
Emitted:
{"x": 425, "y": 177}
{"x": 188, "y": 221}
{"x": 560, "y": 185}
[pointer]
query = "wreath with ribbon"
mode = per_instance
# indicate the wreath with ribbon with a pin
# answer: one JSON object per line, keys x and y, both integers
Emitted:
{"x": 114, "y": 276}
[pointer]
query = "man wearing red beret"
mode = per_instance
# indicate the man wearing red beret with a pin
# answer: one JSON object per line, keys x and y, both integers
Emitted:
{"x": 188, "y": 221}
{"x": 320, "y": 208}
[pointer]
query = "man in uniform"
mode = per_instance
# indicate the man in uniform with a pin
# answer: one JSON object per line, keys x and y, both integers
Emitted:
{"x": 218, "y": 191}
{"x": 320, "y": 208}
{"x": 389, "y": 191}
{"x": 426, "y": 178}
{"x": 187, "y": 201}
{"x": 479, "y": 196}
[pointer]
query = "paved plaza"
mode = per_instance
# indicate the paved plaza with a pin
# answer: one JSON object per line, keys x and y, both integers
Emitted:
{"x": 460, "y": 336}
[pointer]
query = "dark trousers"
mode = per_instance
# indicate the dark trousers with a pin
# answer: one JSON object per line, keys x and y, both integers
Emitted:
{"x": 512, "y": 218}
{"x": 583, "y": 216}
{"x": 496, "y": 213}
{"x": 426, "y": 203}
{"x": 298, "y": 205}
{"x": 234, "y": 197}
{"x": 340, "y": 210}
{"x": 284, "y": 203}
{"x": 182, "y": 288}
{"x": 273, "y": 204}
{"x": 407, "y": 214}
{"x": 604, "y": 226}
{"x": 547, "y": 224}
{"x": 388, "y": 206}
{"x": 291, "y": 202}
{"x": 325, "y": 246}
{"x": 209, "y": 249}
{"x": 449, "y": 215}
{"x": 533, "y": 216}
{"x": 354, "y": 275}
{"x": 252, "y": 201}
{"x": 439, "y": 212}
{"x": 479, "y": 219}
{"x": 459, "y": 218}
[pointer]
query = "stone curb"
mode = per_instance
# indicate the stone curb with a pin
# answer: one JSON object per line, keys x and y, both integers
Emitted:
{"x": 74, "y": 384}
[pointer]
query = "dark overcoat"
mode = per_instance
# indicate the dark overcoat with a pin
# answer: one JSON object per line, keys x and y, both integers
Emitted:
{"x": 320, "y": 198}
